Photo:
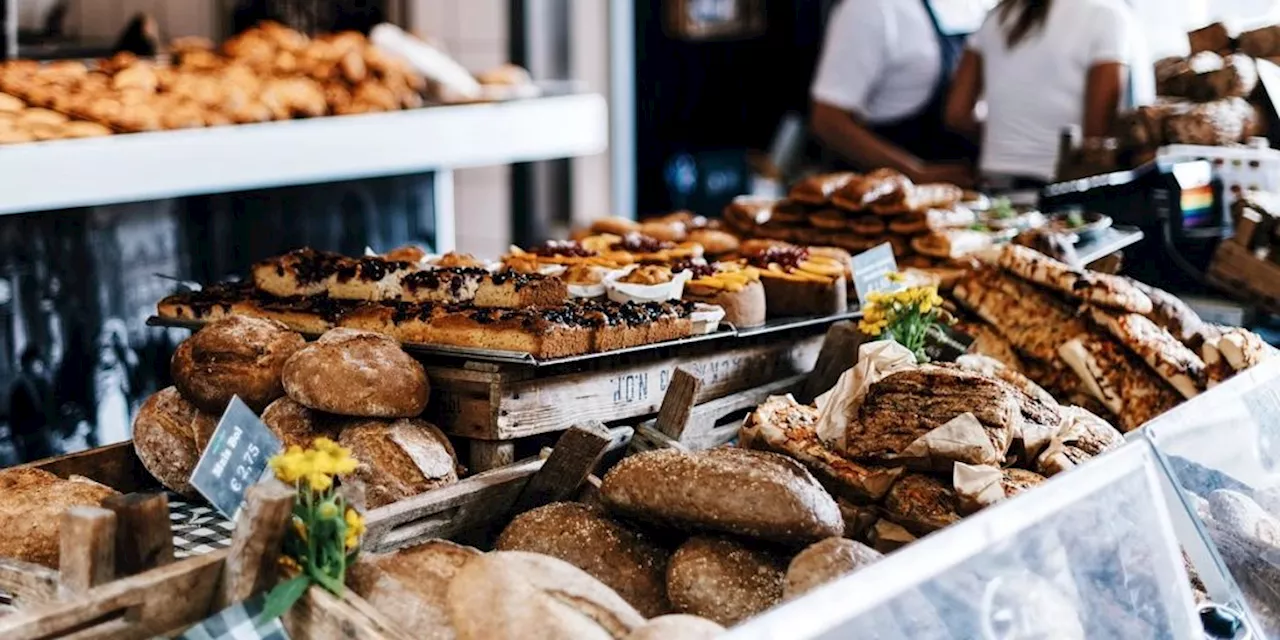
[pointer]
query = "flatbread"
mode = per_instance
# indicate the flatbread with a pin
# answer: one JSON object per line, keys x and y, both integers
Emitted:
{"x": 1165, "y": 354}
{"x": 1119, "y": 380}
{"x": 1099, "y": 288}
{"x": 1033, "y": 321}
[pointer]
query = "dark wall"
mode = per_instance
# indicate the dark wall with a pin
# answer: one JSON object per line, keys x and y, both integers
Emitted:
{"x": 730, "y": 96}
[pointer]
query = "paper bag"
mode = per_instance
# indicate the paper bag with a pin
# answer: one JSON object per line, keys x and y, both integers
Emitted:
{"x": 876, "y": 360}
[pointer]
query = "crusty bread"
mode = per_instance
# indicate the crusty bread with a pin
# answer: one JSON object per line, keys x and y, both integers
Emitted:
{"x": 296, "y": 425}
{"x": 397, "y": 459}
{"x": 921, "y": 504}
{"x": 627, "y": 561}
{"x": 1099, "y": 288}
{"x": 677, "y": 626}
{"x": 753, "y": 493}
{"x": 357, "y": 373}
{"x": 235, "y": 356}
{"x": 169, "y": 434}
{"x": 724, "y": 580}
{"x": 1168, "y": 357}
{"x": 31, "y": 506}
{"x": 512, "y": 595}
{"x": 826, "y": 561}
{"x": 411, "y": 586}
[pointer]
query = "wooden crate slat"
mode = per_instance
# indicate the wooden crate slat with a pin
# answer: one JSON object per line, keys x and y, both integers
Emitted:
{"x": 115, "y": 465}
{"x": 32, "y": 584}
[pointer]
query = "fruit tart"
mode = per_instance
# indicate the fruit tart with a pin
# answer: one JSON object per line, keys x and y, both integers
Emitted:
{"x": 798, "y": 283}
{"x": 733, "y": 286}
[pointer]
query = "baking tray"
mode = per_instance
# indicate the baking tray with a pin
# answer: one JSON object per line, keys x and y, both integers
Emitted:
{"x": 779, "y": 325}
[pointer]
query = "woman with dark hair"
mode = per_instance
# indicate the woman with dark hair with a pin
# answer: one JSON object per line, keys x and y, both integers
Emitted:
{"x": 1042, "y": 66}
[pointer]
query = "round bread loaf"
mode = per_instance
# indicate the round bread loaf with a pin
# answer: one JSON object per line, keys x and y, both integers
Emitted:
{"x": 824, "y": 562}
{"x": 512, "y": 595}
{"x": 751, "y": 493}
{"x": 678, "y": 626}
{"x": 169, "y": 434}
{"x": 625, "y": 560}
{"x": 397, "y": 459}
{"x": 723, "y": 580}
{"x": 234, "y": 356}
{"x": 31, "y": 506}
{"x": 357, "y": 373}
{"x": 921, "y": 504}
{"x": 296, "y": 425}
{"x": 411, "y": 586}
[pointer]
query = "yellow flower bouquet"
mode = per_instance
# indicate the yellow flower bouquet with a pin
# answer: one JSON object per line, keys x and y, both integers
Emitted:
{"x": 325, "y": 536}
{"x": 904, "y": 316}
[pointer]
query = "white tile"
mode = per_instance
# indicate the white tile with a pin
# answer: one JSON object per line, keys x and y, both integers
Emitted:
{"x": 482, "y": 20}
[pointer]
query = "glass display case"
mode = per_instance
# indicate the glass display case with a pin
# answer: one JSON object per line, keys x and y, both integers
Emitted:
{"x": 1223, "y": 452}
{"x": 1091, "y": 554}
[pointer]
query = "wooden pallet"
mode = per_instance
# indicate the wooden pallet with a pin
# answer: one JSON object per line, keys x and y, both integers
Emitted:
{"x": 494, "y": 405}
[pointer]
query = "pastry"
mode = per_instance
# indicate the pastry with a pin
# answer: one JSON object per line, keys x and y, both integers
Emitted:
{"x": 1083, "y": 435}
{"x": 868, "y": 225}
{"x": 481, "y": 288}
{"x": 797, "y": 283}
{"x": 789, "y": 212}
{"x": 723, "y": 580}
{"x": 1119, "y": 380}
{"x": 745, "y": 213}
{"x": 734, "y": 287}
{"x": 1169, "y": 358}
{"x": 910, "y": 224}
{"x": 585, "y": 281}
{"x": 1233, "y": 349}
{"x": 1174, "y": 315}
{"x": 715, "y": 243}
{"x": 452, "y": 260}
{"x": 236, "y": 356}
{"x": 357, "y": 373}
{"x": 883, "y": 187}
{"x": 398, "y": 459}
{"x": 1035, "y": 323}
{"x": 921, "y": 504}
{"x": 665, "y": 231}
{"x": 817, "y": 190}
{"x": 615, "y": 226}
{"x": 1101, "y": 289}
{"x": 951, "y": 244}
{"x": 828, "y": 219}
{"x": 169, "y": 435}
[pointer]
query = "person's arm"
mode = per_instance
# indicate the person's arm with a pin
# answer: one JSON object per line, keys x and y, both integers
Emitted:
{"x": 857, "y": 144}
{"x": 1103, "y": 90}
{"x": 962, "y": 102}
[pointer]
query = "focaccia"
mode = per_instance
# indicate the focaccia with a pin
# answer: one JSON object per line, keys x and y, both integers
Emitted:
{"x": 1169, "y": 358}
{"x": 1098, "y": 288}
{"x": 1118, "y": 379}
{"x": 1035, "y": 323}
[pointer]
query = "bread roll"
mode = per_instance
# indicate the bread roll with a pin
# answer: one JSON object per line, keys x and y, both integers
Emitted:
{"x": 752, "y": 493}
{"x": 397, "y": 459}
{"x": 298, "y": 426}
{"x": 31, "y": 506}
{"x": 357, "y": 373}
{"x": 824, "y": 562}
{"x": 169, "y": 434}
{"x": 512, "y": 595}
{"x": 411, "y": 586}
{"x": 921, "y": 504}
{"x": 234, "y": 356}
{"x": 723, "y": 580}
{"x": 625, "y": 560}
{"x": 678, "y": 627}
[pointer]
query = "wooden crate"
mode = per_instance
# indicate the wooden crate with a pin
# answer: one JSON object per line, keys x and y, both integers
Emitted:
{"x": 1238, "y": 272}
{"x": 494, "y": 405}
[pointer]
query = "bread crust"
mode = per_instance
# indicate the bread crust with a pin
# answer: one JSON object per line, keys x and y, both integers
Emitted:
{"x": 786, "y": 298}
{"x": 169, "y": 434}
{"x": 234, "y": 356}
{"x": 752, "y": 493}
{"x": 826, "y": 561}
{"x": 31, "y": 505}
{"x": 298, "y": 426}
{"x": 411, "y": 585}
{"x": 357, "y": 373}
{"x": 397, "y": 459}
{"x": 723, "y": 580}
{"x": 678, "y": 627}
{"x": 627, "y": 561}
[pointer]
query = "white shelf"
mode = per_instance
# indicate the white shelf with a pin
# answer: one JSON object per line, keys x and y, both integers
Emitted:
{"x": 148, "y": 166}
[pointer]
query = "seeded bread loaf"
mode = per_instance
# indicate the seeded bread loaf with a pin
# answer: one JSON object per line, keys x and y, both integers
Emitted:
{"x": 236, "y": 356}
{"x": 824, "y": 562}
{"x": 723, "y": 580}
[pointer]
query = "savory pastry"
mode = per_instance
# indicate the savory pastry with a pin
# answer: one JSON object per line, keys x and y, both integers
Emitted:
{"x": 1173, "y": 361}
{"x": 236, "y": 356}
{"x": 723, "y": 580}
{"x": 1035, "y": 322}
{"x": 745, "y": 213}
{"x": 732, "y": 286}
{"x": 817, "y": 190}
{"x": 169, "y": 435}
{"x": 1101, "y": 289}
{"x": 357, "y": 373}
{"x": 868, "y": 225}
{"x": 951, "y": 244}
{"x": 829, "y": 219}
{"x": 1119, "y": 380}
{"x": 1231, "y": 350}
{"x": 398, "y": 459}
{"x": 883, "y": 187}
{"x": 797, "y": 283}
{"x": 32, "y": 502}
{"x": 713, "y": 242}
{"x": 1174, "y": 315}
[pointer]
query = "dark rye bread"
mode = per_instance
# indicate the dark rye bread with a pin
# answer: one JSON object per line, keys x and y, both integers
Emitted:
{"x": 411, "y": 586}
{"x": 397, "y": 459}
{"x": 357, "y": 373}
{"x": 723, "y": 580}
{"x": 921, "y": 504}
{"x": 513, "y": 595}
{"x": 31, "y": 506}
{"x": 169, "y": 434}
{"x": 752, "y": 493}
{"x": 824, "y": 562}
{"x": 627, "y": 561}
{"x": 235, "y": 356}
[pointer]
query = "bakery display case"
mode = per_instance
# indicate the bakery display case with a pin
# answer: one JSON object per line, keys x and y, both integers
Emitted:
{"x": 1222, "y": 455}
{"x": 1093, "y": 555}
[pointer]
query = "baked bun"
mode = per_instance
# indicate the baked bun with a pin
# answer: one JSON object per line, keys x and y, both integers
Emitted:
{"x": 31, "y": 506}
{"x": 512, "y": 595}
{"x": 398, "y": 459}
{"x": 169, "y": 434}
{"x": 723, "y": 580}
{"x": 357, "y": 373}
{"x": 696, "y": 492}
{"x": 715, "y": 243}
{"x": 824, "y": 562}
{"x": 665, "y": 231}
{"x": 235, "y": 356}
{"x": 615, "y": 225}
{"x": 296, "y": 425}
{"x": 678, "y": 627}
{"x": 625, "y": 560}
{"x": 411, "y": 586}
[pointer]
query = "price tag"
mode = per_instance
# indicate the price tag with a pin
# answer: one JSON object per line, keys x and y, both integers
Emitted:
{"x": 945, "y": 344}
{"x": 235, "y": 459}
{"x": 871, "y": 271}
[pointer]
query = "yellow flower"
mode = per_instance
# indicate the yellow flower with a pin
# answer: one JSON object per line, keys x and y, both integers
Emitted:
{"x": 355, "y": 529}
{"x": 319, "y": 481}
{"x": 326, "y": 445}
{"x": 289, "y": 563}
{"x": 289, "y": 466}
{"x": 300, "y": 528}
{"x": 897, "y": 276}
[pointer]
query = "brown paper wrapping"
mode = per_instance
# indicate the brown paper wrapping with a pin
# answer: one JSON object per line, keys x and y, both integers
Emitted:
{"x": 876, "y": 360}
{"x": 962, "y": 440}
{"x": 977, "y": 486}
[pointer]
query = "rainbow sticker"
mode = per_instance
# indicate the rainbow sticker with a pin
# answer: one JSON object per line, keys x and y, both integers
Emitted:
{"x": 1197, "y": 206}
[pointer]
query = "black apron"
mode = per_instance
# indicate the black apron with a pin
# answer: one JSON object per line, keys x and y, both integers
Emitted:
{"x": 925, "y": 134}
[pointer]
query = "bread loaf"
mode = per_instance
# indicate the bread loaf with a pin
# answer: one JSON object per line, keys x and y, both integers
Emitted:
{"x": 512, "y": 595}
{"x": 824, "y": 562}
{"x": 298, "y": 426}
{"x": 723, "y": 580}
{"x": 628, "y": 562}
{"x": 357, "y": 373}
{"x": 235, "y": 356}
{"x": 921, "y": 504}
{"x": 169, "y": 434}
{"x": 31, "y": 506}
{"x": 411, "y": 586}
{"x": 678, "y": 627}
{"x": 752, "y": 493}
{"x": 397, "y": 459}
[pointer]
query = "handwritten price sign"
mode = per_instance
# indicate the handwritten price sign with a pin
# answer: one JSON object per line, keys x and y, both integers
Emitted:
{"x": 235, "y": 459}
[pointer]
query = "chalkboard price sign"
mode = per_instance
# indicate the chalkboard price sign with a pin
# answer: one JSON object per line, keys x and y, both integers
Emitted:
{"x": 235, "y": 459}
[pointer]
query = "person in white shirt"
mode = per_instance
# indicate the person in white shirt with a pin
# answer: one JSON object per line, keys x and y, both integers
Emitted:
{"x": 880, "y": 91}
{"x": 1042, "y": 66}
